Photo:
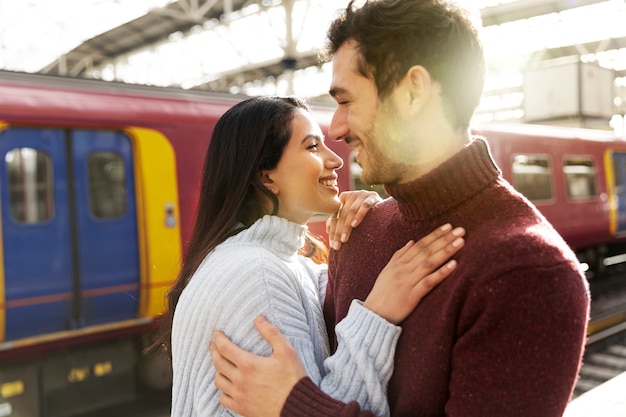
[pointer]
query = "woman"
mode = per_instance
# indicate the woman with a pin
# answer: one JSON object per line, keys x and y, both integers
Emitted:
{"x": 267, "y": 171}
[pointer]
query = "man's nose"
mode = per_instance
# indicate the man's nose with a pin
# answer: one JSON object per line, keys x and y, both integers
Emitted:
{"x": 338, "y": 127}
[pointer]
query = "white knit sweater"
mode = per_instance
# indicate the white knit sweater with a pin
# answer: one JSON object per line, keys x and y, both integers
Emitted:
{"x": 258, "y": 271}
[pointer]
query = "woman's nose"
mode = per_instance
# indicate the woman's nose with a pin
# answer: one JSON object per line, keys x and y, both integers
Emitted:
{"x": 333, "y": 161}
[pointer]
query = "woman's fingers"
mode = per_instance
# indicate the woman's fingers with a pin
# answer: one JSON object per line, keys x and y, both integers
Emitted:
{"x": 413, "y": 271}
{"x": 434, "y": 249}
{"x": 354, "y": 207}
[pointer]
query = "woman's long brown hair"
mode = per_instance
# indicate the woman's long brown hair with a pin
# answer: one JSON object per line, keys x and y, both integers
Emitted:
{"x": 249, "y": 138}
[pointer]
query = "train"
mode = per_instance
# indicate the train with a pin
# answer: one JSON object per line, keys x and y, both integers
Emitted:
{"x": 98, "y": 187}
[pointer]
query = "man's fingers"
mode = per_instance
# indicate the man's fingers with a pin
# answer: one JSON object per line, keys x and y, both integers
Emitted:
{"x": 227, "y": 349}
{"x": 225, "y": 369}
{"x": 228, "y": 358}
{"x": 272, "y": 335}
{"x": 255, "y": 385}
{"x": 222, "y": 383}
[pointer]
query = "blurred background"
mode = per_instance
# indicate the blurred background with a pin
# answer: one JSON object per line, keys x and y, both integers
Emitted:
{"x": 535, "y": 49}
{"x": 106, "y": 109}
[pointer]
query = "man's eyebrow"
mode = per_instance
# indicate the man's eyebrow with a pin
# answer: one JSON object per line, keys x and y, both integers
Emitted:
{"x": 335, "y": 91}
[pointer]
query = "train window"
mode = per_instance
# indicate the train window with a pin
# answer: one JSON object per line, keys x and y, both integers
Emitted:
{"x": 580, "y": 177}
{"x": 531, "y": 176}
{"x": 355, "y": 173}
{"x": 31, "y": 192}
{"x": 107, "y": 184}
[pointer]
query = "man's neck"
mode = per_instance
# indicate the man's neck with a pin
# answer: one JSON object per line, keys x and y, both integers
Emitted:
{"x": 437, "y": 150}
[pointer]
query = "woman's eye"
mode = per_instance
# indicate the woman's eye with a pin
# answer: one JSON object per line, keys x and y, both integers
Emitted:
{"x": 313, "y": 146}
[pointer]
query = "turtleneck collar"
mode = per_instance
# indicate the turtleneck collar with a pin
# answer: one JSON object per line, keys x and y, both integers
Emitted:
{"x": 456, "y": 180}
{"x": 279, "y": 235}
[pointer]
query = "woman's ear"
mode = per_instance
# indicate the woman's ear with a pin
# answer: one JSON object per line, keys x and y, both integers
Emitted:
{"x": 268, "y": 183}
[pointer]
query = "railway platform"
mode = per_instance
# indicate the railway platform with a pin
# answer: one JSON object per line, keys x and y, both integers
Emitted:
{"x": 606, "y": 400}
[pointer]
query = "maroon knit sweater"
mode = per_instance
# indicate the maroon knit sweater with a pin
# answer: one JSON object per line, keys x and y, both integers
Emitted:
{"x": 502, "y": 336}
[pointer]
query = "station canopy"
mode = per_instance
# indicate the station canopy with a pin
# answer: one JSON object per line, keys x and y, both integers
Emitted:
{"x": 271, "y": 46}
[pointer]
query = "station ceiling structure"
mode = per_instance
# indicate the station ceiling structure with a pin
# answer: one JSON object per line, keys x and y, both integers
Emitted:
{"x": 271, "y": 46}
{"x": 182, "y": 18}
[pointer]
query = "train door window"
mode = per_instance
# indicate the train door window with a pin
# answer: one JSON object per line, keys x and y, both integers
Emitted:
{"x": 31, "y": 187}
{"x": 580, "y": 177}
{"x": 107, "y": 189}
{"x": 532, "y": 176}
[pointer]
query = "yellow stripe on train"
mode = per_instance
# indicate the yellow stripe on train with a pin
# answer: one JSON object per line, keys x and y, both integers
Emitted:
{"x": 610, "y": 185}
{"x": 158, "y": 220}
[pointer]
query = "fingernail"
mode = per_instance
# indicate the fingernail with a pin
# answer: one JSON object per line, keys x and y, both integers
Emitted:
{"x": 446, "y": 227}
{"x": 458, "y": 231}
{"x": 344, "y": 237}
{"x": 458, "y": 242}
{"x": 354, "y": 223}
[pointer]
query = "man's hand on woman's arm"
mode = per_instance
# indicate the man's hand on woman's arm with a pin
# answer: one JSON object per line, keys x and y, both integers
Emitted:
{"x": 254, "y": 385}
{"x": 245, "y": 379}
{"x": 259, "y": 386}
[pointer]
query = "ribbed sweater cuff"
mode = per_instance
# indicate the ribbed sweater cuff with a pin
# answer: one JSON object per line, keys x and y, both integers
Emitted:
{"x": 306, "y": 399}
{"x": 373, "y": 332}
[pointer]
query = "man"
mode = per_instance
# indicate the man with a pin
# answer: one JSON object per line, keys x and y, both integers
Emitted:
{"x": 504, "y": 334}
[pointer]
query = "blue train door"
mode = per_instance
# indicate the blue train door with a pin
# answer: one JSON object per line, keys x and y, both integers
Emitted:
{"x": 619, "y": 176}
{"x": 69, "y": 229}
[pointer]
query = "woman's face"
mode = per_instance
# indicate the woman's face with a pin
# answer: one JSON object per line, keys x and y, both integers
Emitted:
{"x": 305, "y": 181}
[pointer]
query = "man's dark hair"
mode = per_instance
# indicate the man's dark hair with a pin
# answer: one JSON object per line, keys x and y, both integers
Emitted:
{"x": 394, "y": 35}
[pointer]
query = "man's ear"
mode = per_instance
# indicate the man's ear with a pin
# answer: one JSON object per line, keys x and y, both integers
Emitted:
{"x": 419, "y": 85}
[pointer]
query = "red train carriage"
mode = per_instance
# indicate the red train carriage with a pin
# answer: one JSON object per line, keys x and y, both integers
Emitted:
{"x": 98, "y": 187}
{"x": 575, "y": 177}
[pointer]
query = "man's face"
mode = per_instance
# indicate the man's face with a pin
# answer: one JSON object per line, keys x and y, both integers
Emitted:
{"x": 370, "y": 127}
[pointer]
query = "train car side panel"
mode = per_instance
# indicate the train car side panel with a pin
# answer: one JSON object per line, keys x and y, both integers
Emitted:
{"x": 573, "y": 197}
{"x": 19, "y": 391}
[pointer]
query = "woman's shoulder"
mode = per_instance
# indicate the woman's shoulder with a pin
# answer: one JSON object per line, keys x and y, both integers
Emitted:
{"x": 240, "y": 259}
{"x": 243, "y": 267}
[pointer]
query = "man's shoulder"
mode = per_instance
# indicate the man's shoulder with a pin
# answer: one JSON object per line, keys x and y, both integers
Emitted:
{"x": 375, "y": 225}
{"x": 381, "y": 212}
